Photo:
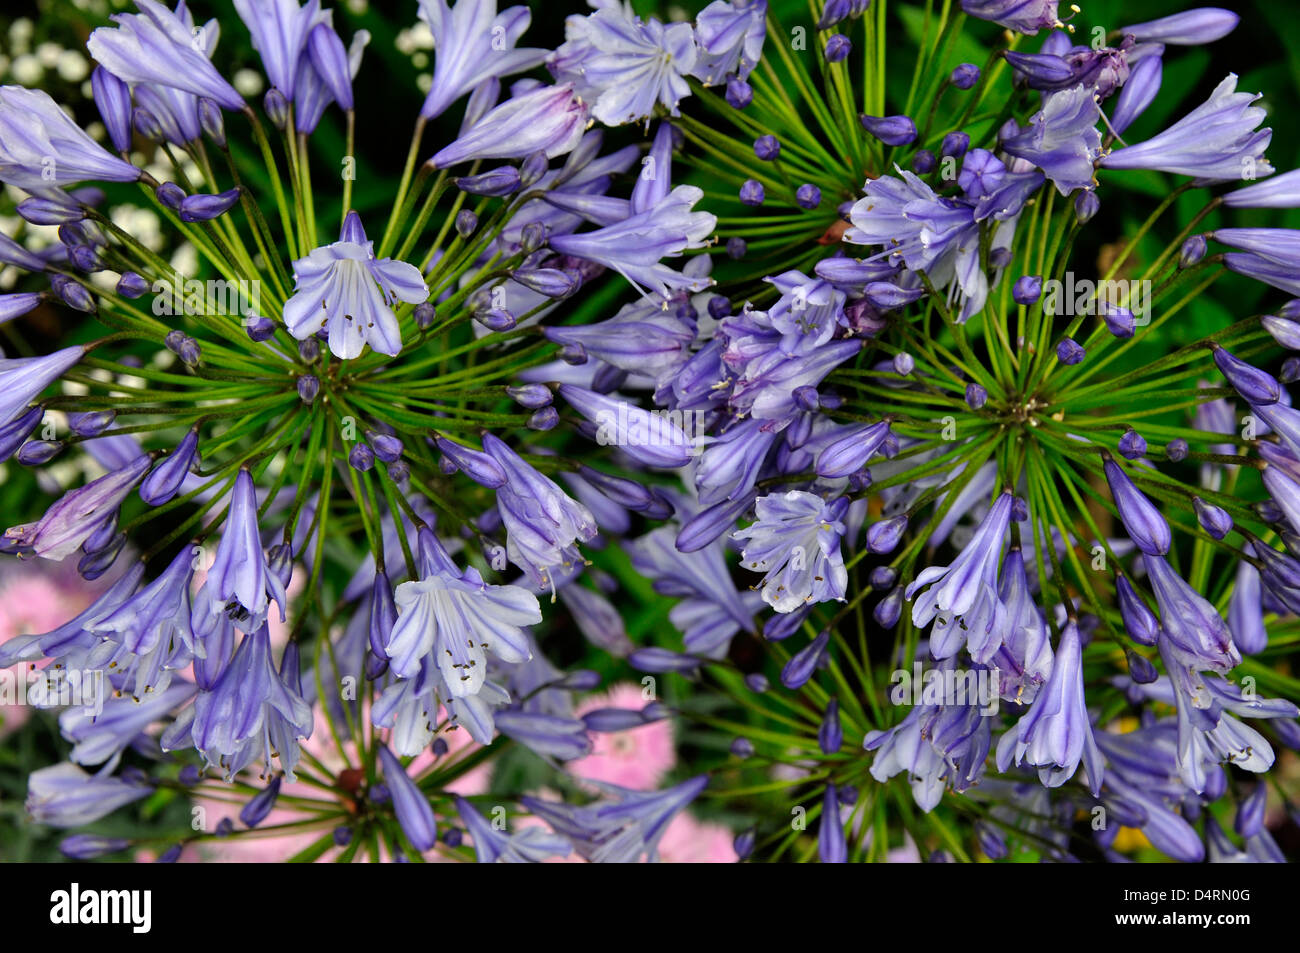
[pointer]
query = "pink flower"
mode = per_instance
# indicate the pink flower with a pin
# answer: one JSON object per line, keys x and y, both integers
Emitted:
{"x": 688, "y": 841}
{"x": 637, "y": 759}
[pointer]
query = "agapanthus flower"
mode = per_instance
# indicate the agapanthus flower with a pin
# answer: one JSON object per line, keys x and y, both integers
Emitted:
{"x": 796, "y": 543}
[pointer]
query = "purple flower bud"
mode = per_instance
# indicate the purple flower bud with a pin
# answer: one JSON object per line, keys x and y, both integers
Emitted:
{"x": 830, "y": 737}
{"x": 170, "y": 195}
{"x": 551, "y": 282}
{"x": 498, "y": 319}
{"x": 883, "y": 577}
{"x": 260, "y": 329}
{"x": 1257, "y": 387}
{"x": 425, "y": 314}
{"x": 1190, "y": 28}
{"x": 203, "y": 208}
{"x": 361, "y": 458}
{"x": 533, "y": 168}
{"x": 330, "y": 60}
{"x": 466, "y": 223}
{"x": 497, "y": 182}
{"x": 1137, "y": 93}
{"x": 752, "y": 193}
{"x": 923, "y": 162}
{"x": 1214, "y": 519}
{"x": 1289, "y": 372}
{"x": 767, "y": 148}
{"x": 113, "y": 100}
{"x": 831, "y": 846}
{"x": 35, "y": 453}
{"x": 147, "y": 124}
{"x": 1250, "y": 812}
{"x": 90, "y": 846}
{"x": 838, "y": 48}
{"x": 574, "y": 354}
{"x": 808, "y": 196}
{"x": 532, "y": 237}
{"x": 744, "y": 843}
{"x": 742, "y": 748}
{"x": 1176, "y": 450}
{"x": 93, "y": 565}
{"x": 904, "y": 364}
{"x": 1140, "y": 668}
{"x": 612, "y": 720}
{"x": 531, "y": 396}
{"x": 261, "y": 805}
{"x": 756, "y": 682}
{"x": 1192, "y": 252}
{"x": 659, "y": 660}
{"x": 14, "y": 433}
{"x": 387, "y": 447}
{"x": 478, "y": 466}
{"x": 414, "y": 812}
{"x": 851, "y": 453}
{"x": 1086, "y": 205}
{"x": 16, "y": 305}
{"x": 1132, "y": 445}
{"x": 884, "y": 536}
{"x": 806, "y": 398}
{"x": 891, "y": 130}
{"x": 92, "y": 423}
{"x": 1027, "y": 289}
{"x": 739, "y": 93}
{"x": 276, "y": 107}
{"x": 546, "y": 418}
{"x": 212, "y": 122}
{"x": 131, "y": 285}
{"x": 72, "y": 294}
{"x": 165, "y": 480}
{"x": 1119, "y": 321}
{"x": 309, "y": 350}
{"x": 1142, "y": 520}
{"x": 580, "y": 680}
{"x": 1285, "y": 331}
{"x": 954, "y": 145}
{"x": 1069, "y": 351}
{"x": 40, "y": 211}
{"x": 803, "y": 663}
{"x": 965, "y": 76}
{"x": 736, "y": 248}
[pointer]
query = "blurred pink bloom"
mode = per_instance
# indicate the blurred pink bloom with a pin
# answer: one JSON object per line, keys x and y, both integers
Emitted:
{"x": 637, "y": 759}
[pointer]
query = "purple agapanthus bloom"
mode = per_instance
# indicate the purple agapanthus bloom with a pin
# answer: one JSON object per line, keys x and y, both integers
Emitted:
{"x": 796, "y": 543}
{"x": 41, "y": 147}
{"x": 971, "y": 578}
{"x": 1142, "y": 520}
{"x": 529, "y": 845}
{"x": 636, "y": 246}
{"x": 279, "y": 30}
{"x": 473, "y": 44}
{"x": 456, "y": 619}
{"x": 624, "y": 829}
{"x": 623, "y": 65}
{"x": 252, "y": 710}
{"x": 1192, "y": 625}
{"x": 157, "y": 46}
{"x": 343, "y": 288}
{"x": 1056, "y": 733}
{"x": 325, "y": 74}
{"x": 549, "y": 119}
{"x": 1216, "y": 141}
{"x": 63, "y": 795}
{"x": 240, "y": 583}
{"x": 1062, "y": 139}
{"x": 23, "y": 378}
{"x": 542, "y": 523}
{"x": 414, "y": 812}
{"x": 730, "y": 35}
{"x": 1023, "y": 16}
{"x": 654, "y": 440}
{"x": 1188, "y": 28}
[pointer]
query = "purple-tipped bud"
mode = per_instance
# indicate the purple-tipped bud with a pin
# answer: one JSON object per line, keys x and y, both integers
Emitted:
{"x": 383, "y": 614}
{"x": 49, "y": 212}
{"x": 757, "y": 682}
{"x": 808, "y": 196}
{"x": 90, "y": 846}
{"x": 803, "y": 663}
{"x": 276, "y": 107}
{"x": 35, "y": 453}
{"x": 212, "y": 122}
{"x": 739, "y": 93}
{"x": 361, "y": 458}
{"x": 550, "y": 282}
{"x": 1285, "y": 331}
{"x": 954, "y": 145}
{"x": 830, "y": 736}
{"x": 891, "y": 130}
{"x": 752, "y": 193}
{"x": 131, "y": 285}
{"x": 736, "y": 248}
{"x": 546, "y": 418}
{"x": 261, "y": 805}
{"x": 1070, "y": 351}
{"x": 1119, "y": 321}
{"x": 72, "y": 294}
{"x": 976, "y": 396}
{"x": 574, "y": 353}
{"x": 883, "y": 577}
{"x": 1257, "y": 387}
{"x": 1027, "y": 289}
{"x": 838, "y": 48}
{"x": 92, "y": 423}
{"x": 884, "y": 536}
{"x": 330, "y": 59}
{"x": 1139, "y": 620}
{"x": 147, "y": 124}
{"x": 659, "y": 661}
{"x": 1192, "y": 252}
{"x": 531, "y": 396}
{"x": 165, "y": 480}
{"x": 1289, "y": 372}
{"x": 466, "y": 223}
{"x": 532, "y": 237}
{"x": 169, "y": 195}
{"x": 1215, "y": 520}
{"x": 742, "y": 748}
{"x": 93, "y": 565}
{"x": 203, "y": 208}
{"x": 498, "y": 319}
{"x": 806, "y": 398}
{"x": 767, "y": 148}
{"x": 1086, "y": 206}
{"x": 965, "y": 76}
{"x": 923, "y": 162}
{"x": 1142, "y": 520}
{"x": 1250, "y": 813}
{"x": 309, "y": 350}
{"x": 1177, "y": 450}
{"x": 497, "y": 182}
{"x": 1132, "y": 445}
{"x": 533, "y": 168}
{"x": 387, "y": 447}
{"x": 904, "y": 364}
{"x": 1190, "y": 28}
{"x": 425, "y": 314}
{"x": 260, "y": 329}
{"x": 477, "y": 465}
{"x": 744, "y": 844}
{"x": 1140, "y": 668}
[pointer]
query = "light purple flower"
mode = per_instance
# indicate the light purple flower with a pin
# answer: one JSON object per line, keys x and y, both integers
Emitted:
{"x": 796, "y": 543}
{"x": 414, "y": 812}
{"x": 239, "y": 574}
{"x": 41, "y": 147}
{"x": 548, "y": 119}
{"x": 63, "y": 795}
{"x": 730, "y": 38}
{"x": 528, "y": 845}
{"x": 1062, "y": 139}
{"x": 279, "y": 29}
{"x": 1190, "y": 28}
{"x": 79, "y": 513}
{"x": 344, "y": 288}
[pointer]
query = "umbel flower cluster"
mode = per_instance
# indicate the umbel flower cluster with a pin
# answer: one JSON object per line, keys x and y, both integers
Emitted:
{"x": 804, "y": 398}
